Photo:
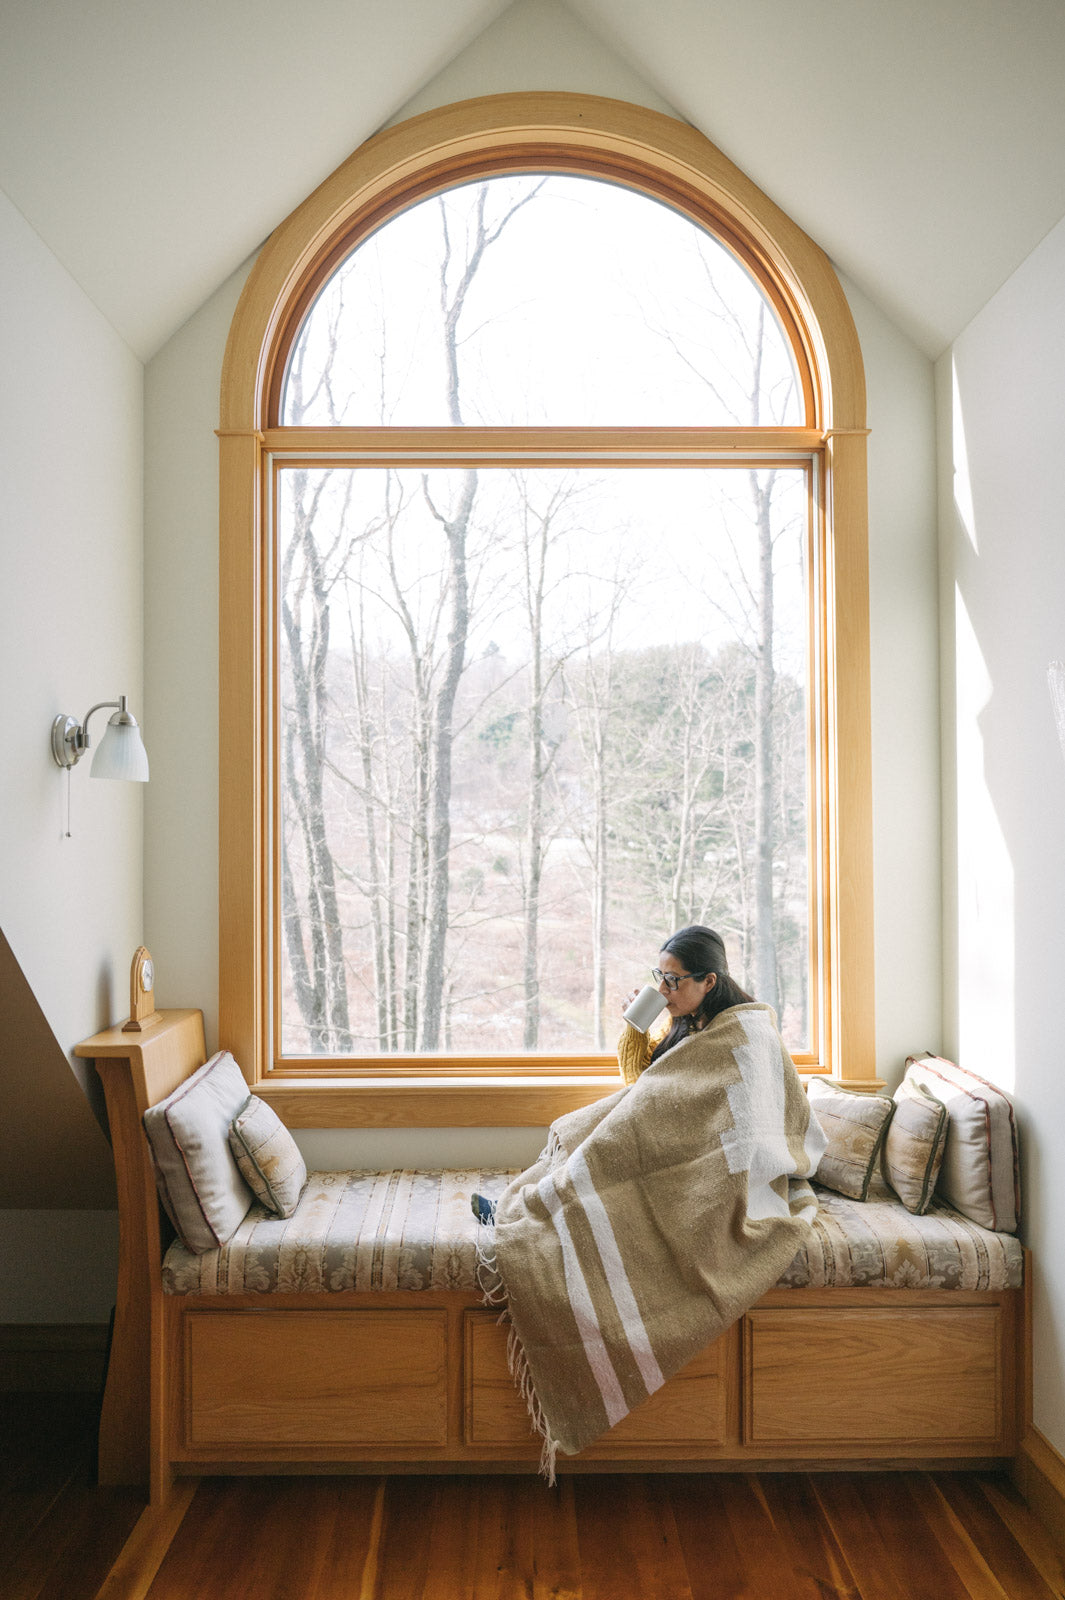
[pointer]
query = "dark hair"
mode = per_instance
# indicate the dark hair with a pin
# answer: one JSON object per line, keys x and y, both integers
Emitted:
{"x": 702, "y": 951}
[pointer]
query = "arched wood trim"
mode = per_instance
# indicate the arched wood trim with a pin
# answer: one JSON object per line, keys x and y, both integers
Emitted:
{"x": 647, "y": 150}
{"x": 526, "y": 132}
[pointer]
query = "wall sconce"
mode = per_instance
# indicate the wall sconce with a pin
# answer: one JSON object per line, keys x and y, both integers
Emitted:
{"x": 121, "y": 752}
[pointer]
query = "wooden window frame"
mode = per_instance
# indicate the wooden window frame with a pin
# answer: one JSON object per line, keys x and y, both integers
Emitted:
{"x": 597, "y": 138}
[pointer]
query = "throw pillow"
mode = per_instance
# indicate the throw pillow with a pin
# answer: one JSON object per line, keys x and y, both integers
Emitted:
{"x": 980, "y": 1172}
{"x": 854, "y": 1125}
{"x": 914, "y": 1144}
{"x": 268, "y": 1156}
{"x": 199, "y": 1181}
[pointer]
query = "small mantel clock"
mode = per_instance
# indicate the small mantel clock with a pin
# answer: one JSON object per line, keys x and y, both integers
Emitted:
{"x": 141, "y": 992}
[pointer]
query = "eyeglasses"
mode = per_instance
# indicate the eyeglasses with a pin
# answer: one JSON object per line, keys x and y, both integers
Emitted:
{"x": 672, "y": 981}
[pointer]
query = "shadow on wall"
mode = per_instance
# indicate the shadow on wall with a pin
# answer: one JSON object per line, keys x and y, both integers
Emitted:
{"x": 56, "y": 1156}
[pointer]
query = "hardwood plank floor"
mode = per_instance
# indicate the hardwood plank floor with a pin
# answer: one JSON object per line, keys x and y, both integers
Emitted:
{"x": 817, "y": 1536}
{"x": 879, "y": 1536}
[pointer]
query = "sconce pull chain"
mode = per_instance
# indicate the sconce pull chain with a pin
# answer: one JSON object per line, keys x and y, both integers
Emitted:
{"x": 68, "y": 802}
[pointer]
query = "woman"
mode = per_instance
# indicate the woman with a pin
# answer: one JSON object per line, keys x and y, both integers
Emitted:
{"x": 693, "y": 976}
{"x": 656, "y": 1216}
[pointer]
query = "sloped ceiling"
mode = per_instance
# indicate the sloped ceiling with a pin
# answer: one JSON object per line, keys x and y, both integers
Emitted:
{"x": 55, "y": 1156}
{"x": 153, "y": 147}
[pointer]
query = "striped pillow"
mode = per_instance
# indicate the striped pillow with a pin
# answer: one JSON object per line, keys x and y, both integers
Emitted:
{"x": 268, "y": 1156}
{"x": 854, "y": 1125}
{"x": 913, "y": 1148}
{"x": 980, "y": 1172}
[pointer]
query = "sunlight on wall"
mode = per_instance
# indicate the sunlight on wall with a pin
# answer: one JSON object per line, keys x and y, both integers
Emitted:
{"x": 1056, "y": 680}
{"x": 986, "y": 999}
{"x": 963, "y": 489}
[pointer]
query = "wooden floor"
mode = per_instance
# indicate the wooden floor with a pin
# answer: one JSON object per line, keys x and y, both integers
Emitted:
{"x": 880, "y": 1536}
{"x": 59, "y": 1533}
{"x": 708, "y": 1537}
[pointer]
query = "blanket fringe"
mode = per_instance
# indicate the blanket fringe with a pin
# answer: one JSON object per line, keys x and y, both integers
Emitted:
{"x": 553, "y": 1152}
{"x": 489, "y": 1278}
{"x": 494, "y": 1293}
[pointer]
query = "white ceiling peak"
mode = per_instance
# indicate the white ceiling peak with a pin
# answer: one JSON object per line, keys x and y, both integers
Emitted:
{"x": 537, "y": 44}
{"x": 154, "y": 147}
{"x": 922, "y": 146}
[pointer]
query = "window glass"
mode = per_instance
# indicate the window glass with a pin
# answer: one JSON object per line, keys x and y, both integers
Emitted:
{"x": 541, "y": 299}
{"x": 531, "y": 720}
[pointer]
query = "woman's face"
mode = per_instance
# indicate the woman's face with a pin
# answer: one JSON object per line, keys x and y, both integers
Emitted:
{"x": 691, "y": 992}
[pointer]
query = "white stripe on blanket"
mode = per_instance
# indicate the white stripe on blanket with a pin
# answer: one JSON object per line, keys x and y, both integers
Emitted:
{"x": 758, "y": 1141}
{"x": 616, "y": 1276}
{"x": 583, "y": 1310}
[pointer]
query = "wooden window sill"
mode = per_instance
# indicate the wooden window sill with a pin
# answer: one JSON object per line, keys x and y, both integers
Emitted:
{"x": 456, "y": 1102}
{"x": 429, "y": 1102}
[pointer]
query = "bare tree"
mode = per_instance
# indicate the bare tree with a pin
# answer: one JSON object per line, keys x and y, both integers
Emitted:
{"x": 454, "y": 289}
{"x": 540, "y": 531}
{"x": 319, "y": 973}
{"x": 591, "y": 695}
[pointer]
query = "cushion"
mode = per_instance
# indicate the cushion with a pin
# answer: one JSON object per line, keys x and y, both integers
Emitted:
{"x": 854, "y": 1125}
{"x": 415, "y": 1230}
{"x": 351, "y": 1231}
{"x": 199, "y": 1181}
{"x": 268, "y": 1156}
{"x": 980, "y": 1172}
{"x": 914, "y": 1144}
{"x": 878, "y": 1244}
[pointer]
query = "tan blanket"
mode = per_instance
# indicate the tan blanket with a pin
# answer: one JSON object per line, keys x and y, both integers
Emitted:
{"x": 651, "y": 1221}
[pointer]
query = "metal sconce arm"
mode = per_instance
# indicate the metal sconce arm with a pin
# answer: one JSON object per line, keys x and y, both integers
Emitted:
{"x": 70, "y": 738}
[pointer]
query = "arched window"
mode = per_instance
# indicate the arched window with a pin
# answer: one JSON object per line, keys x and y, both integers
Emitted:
{"x": 541, "y": 421}
{"x": 542, "y": 300}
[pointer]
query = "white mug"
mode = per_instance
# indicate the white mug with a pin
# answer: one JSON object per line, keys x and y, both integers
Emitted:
{"x": 645, "y": 1008}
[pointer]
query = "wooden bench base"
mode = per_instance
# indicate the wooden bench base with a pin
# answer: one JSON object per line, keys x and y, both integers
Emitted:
{"x": 421, "y": 1380}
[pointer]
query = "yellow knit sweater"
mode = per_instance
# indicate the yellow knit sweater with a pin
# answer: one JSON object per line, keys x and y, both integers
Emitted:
{"x": 635, "y": 1048}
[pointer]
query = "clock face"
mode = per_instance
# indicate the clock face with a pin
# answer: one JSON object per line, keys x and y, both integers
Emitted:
{"x": 147, "y": 975}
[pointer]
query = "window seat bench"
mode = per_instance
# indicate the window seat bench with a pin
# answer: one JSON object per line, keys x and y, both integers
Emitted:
{"x": 352, "y": 1335}
{"x": 415, "y": 1231}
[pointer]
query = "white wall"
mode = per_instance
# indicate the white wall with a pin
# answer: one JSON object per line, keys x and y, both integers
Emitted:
{"x": 181, "y": 395}
{"x": 535, "y": 45}
{"x": 539, "y": 46}
{"x": 904, "y": 668}
{"x": 1001, "y": 393}
{"x": 70, "y": 633}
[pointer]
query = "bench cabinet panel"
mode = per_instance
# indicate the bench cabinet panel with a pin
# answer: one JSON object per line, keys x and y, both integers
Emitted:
{"x": 852, "y": 1376}
{"x": 690, "y": 1410}
{"x": 315, "y": 1377}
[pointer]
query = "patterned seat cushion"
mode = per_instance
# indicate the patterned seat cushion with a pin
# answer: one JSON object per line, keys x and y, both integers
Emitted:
{"x": 351, "y": 1230}
{"x": 415, "y": 1230}
{"x": 877, "y": 1243}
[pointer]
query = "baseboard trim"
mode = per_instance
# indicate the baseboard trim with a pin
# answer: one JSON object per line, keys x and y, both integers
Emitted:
{"x": 145, "y": 1550}
{"x": 56, "y": 1358}
{"x": 1039, "y": 1473}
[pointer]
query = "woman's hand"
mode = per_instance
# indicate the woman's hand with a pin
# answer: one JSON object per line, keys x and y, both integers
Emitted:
{"x": 628, "y": 1002}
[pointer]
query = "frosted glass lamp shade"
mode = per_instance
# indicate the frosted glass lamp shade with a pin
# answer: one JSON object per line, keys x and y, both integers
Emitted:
{"x": 121, "y": 752}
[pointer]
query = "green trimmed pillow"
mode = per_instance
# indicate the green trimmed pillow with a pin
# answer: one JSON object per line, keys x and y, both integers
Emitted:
{"x": 854, "y": 1125}
{"x": 914, "y": 1146}
{"x": 268, "y": 1156}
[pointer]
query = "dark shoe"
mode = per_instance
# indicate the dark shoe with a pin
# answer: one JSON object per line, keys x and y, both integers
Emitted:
{"x": 484, "y": 1210}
